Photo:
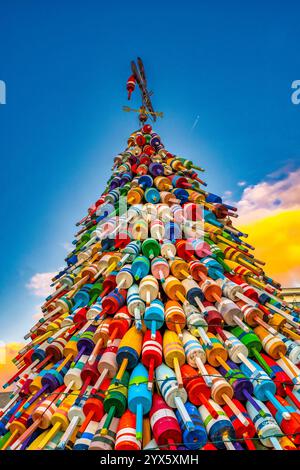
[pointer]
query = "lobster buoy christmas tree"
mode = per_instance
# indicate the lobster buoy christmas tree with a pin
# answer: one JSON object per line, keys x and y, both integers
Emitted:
{"x": 163, "y": 331}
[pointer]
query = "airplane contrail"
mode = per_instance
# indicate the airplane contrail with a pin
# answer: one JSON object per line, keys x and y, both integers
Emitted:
{"x": 195, "y": 123}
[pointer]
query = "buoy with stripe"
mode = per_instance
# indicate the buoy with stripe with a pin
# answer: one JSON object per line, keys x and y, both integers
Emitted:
{"x": 164, "y": 425}
{"x": 139, "y": 396}
{"x": 267, "y": 429}
{"x": 107, "y": 442}
{"x": 173, "y": 395}
{"x": 126, "y": 433}
{"x": 220, "y": 430}
{"x": 152, "y": 354}
{"x": 115, "y": 402}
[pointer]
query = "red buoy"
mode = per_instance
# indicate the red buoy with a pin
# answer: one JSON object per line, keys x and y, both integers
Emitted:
{"x": 130, "y": 85}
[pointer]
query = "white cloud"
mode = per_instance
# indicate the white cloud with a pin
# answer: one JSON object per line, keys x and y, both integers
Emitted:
{"x": 269, "y": 198}
{"x": 242, "y": 183}
{"x": 39, "y": 284}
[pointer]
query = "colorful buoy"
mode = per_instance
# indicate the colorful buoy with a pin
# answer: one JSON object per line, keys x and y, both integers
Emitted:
{"x": 163, "y": 331}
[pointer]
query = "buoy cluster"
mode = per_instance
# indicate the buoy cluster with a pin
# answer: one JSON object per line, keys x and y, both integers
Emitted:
{"x": 163, "y": 331}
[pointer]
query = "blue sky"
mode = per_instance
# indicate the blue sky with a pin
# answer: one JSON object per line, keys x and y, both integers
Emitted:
{"x": 65, "y": 68}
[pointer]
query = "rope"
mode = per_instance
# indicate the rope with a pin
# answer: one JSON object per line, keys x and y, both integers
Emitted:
{"x": 250, "y": 379}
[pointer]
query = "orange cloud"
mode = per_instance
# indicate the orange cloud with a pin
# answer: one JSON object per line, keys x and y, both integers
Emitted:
{"x": 7, "y": 368}
{"x": 270, "y": 213}
{"x": 277, "y": 241}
